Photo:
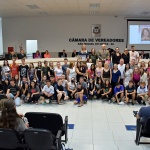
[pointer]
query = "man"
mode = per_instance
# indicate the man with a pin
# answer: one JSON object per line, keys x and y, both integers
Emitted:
{"x": 65, "y": 66}
{"x": 142, "y": 92}
{"x": 132, "y": 64}
{"x": 23, "y": 69}
{"x": 21, "y": 55}
{"x": 118, "y": 93}
{"x": 59, "y": 92}
{"x": 13, "y": 92}
{"x": 48, "y": 91}
{"x": 14, "y": 68}
{"x": 64, "y": 54}
{"x": 134, "y": 55}
{"x": 52, "y": 80}
{"x": 121, "y": 67}
{"x": 103, "y": 53}
{"x": 45, "y": 70}
{"x": 130, "y": 92}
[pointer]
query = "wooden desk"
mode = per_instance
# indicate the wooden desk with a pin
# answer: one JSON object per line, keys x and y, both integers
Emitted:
{"x": 36, "y": 60}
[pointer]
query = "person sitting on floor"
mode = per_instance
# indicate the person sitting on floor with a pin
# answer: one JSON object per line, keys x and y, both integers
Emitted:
{"x": 59, "y": 92}
{"x": 48, "y": 91}
{"x": 130, "y": 92}
{"x": 142, "y": 92}
{"x": 118, "y": 93}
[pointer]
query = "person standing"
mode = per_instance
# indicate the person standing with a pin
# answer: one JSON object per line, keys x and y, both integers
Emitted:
{"x": 121, "y": 67}
{"x": 93, "y": 56}
{"x": 116, "y": 56}
{"x": 14, "y": 68}
{"x": 126, "y": 56}
{"x": 134, "y": 55}
{"x": 45, "y": 70}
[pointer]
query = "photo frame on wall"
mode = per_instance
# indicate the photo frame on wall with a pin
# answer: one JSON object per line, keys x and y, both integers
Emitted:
{"x": 96, "y": 30}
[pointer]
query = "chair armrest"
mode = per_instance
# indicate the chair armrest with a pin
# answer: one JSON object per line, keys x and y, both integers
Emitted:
{"x": 58, "y": 140}
{"x": 58, "y": 136}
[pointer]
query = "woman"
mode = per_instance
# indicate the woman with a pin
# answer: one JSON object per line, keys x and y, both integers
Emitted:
{"x": 58, "y": 71}
{"x": 47, "y": 54}
{"x": 145, "y": 35}
{"x": 31, "y": 71}
{"x": 127, "y": 74}
{"x": 6, "y": 85}
{"x": 37, "y": 54}
{"x": 17, "y": 81}
{"x": 98, "y": 88}
{"x": 107, "y": 91}
{"x": 6, "y": 70}
{"x": 91, "y": 88}
{"x": 79, "y": 71}
{"x": 116, "y": 74}
{"x": 106, "y": 73}
{"x": 9, "y": 118}
{"x": 71, "y": 72}
{"x": 38, "y": 70}
{"x": 34, "y": 93}
{"x": 143, "y": 65}
{"x": 126, "y": 56}
{"x": 25, "y": 91}
{"x": 116, "y": 56}
{"x": 64, "y": 84}
{"x": 51, "y": 67}
{"x": 143, "y": 76}
{"x": 98, "y": 71}
{"x": 148, "y": 68}
{"x": 43, "y": 82}
{"x": 83, "y": 53}
{"x": 72, "y": 88}
{"x": 136, "y": 76}
{"x": 93, "y": 56}
{"x": 91, "y": 72}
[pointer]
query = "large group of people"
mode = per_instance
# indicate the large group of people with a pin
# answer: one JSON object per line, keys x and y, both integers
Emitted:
{"x": 104, "y": 75}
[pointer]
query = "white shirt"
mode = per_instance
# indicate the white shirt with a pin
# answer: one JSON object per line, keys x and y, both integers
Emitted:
{"x": 72, "y": 86}
{"x": 58, "y": 71}
{"x": 134, "y": 55}
{"x": 142, "y": 90}
{"x": 121, "y": 68}
{"x": 49, "y": 90}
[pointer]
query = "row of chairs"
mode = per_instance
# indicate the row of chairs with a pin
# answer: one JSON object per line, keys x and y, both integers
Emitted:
{"x": 45, "y": 133}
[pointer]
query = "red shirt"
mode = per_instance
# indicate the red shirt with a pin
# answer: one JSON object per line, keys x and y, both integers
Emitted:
{"x": 14, "y": 69}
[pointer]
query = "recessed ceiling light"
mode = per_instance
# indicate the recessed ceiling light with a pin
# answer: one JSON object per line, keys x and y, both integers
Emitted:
{"x": 33, "y": 6}
{"x": 94, "y": 5}
{"x": 43, "y": 13}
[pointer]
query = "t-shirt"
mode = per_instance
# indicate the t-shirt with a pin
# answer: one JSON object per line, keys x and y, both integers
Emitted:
{"x": 84, "y": 85}
{"x": 49, "y": 90}
{"x": 14, "y": 69}
{"x": 34, "y": 90}
{"x": 45, "y": 71}
{"x": 13, "y": 89}
{"x": 58, "y": 71}
{"x": 134, "y": 55}
{"x": 38, "y": 71}
{"x": 106, "y": 88}
{"x": 141, "y": 90}
{"x": 130, "y": 89}
{"x": 72, "y": 86}
{"x": 23, "y": 70}
{"x": 116, "y": 75}
{"x": 121, "y": 68}
{"x": 116, "y": 90}
{"x": 64, "y": 68}
{"x": 144, "y": 113}
{"x": 58, "y": 87}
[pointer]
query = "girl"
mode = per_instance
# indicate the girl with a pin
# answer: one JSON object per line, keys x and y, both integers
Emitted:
{"x": 6, "y": 70}
{"x": 51, "y": 67}
{"x": 136, "y": 76}
{"x": 31, "y": 71}
{"x": 107, "y": 91}
{"x": 127, "y": 74}
{"x": 58, "y": 71}
{"x": 71, "y": 73}
{"x": 98, "y": 88}
{"x": 91, "y": 88}
{"x": 38, "y": 71}
{"x": 91, "y": 72}
{"x": 79, "y": 71}
{"x": 25, "y": 91}
{"x": 143, "y": 76}
{"x": 98, "y": 71}
{"x": 17, "y": 81}
{"x": 34, "y": 93}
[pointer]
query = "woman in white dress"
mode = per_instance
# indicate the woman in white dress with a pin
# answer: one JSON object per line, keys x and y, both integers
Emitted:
{"x": 71, "y": 72}
{"x": 127, "y": 75}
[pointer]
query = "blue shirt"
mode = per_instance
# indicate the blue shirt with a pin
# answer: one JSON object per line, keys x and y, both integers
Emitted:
{"x": 116, "y": 90}
{"x": 115, "y": 76}
{"x": 144, "y": 113}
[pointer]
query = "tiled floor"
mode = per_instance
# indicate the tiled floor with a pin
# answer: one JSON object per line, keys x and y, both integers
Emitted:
{"x": 98, "y": 125}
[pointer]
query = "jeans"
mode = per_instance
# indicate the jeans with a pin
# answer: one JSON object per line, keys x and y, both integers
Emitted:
{"x": 17, "y": 100}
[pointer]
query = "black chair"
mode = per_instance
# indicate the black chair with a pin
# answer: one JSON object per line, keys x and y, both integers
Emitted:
{"x": 41, "y": 139}
{"x": 50, "y": 121}
{"x": 10, "y": 140}
{"x": 142, "y": 130}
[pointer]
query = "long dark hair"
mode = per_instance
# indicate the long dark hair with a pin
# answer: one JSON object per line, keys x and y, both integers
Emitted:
{"x": 9, "y": 114}
{"x": 7, "y": 63}
{"x": 126, "y": 68}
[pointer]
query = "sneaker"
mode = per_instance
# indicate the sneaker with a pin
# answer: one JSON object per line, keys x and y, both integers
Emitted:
{"x": 47, "y": 101}
{"x": 121, "y": 103}
{"x": 109, "y": 101}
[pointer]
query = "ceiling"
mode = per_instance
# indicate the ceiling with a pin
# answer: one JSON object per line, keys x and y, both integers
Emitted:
{"x": 128, "y": 8}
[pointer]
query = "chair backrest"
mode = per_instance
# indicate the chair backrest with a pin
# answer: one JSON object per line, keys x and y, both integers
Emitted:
{"x": 39, "y": 139}
{"x": 9, "y": 139}
{"x": 147, "y": 127}
{"x": 42, "y": 120}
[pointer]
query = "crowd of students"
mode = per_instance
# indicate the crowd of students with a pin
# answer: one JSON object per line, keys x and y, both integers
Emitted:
{"x": 105, "y": 74}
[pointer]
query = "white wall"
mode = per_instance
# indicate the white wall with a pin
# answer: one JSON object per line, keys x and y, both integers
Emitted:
{"x": 53, "y": 33}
